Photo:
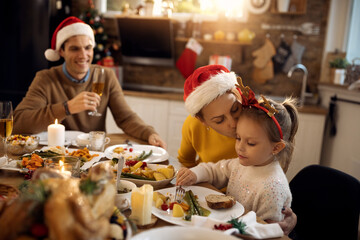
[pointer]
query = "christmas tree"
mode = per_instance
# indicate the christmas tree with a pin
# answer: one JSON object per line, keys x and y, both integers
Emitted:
{"x": 96, "y": 21}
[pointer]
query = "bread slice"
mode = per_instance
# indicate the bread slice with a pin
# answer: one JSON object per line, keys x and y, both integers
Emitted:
{"x": 218, "y": 201}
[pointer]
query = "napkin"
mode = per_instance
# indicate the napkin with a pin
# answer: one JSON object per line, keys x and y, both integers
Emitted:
{"x": 253, "y": 228}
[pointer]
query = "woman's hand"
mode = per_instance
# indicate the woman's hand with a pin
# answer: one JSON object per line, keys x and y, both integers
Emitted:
{"x": 155, "y": 139}
{"x": 289, "y": 222}
{"x": 84, "y": 101}
{"x": 185, "y": 177}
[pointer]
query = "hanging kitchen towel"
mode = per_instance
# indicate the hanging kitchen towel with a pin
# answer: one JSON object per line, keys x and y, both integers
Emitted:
{"x": 297, "y": 51}
{"x": 263, "y": 67}
{"x": 187, "y": 60}
{"x": 282, "y": 54}
{"x": 264, "y": 54}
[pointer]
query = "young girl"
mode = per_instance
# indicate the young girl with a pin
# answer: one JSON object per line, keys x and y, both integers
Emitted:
{"x": 265, "y": 135}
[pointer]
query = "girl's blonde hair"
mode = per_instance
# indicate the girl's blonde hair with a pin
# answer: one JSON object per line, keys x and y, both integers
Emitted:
{"x": 287, "y": 117}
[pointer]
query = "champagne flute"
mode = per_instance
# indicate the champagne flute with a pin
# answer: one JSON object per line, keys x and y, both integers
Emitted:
{"x": 6, "y": 124}
{"x": 98, "y": 85}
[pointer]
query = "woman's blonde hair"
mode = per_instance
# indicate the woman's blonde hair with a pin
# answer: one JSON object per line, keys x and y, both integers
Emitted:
{"x": 287, "y": 117}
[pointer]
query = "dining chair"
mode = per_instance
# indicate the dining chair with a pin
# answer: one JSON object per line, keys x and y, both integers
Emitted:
{"x": 327, "y": 204}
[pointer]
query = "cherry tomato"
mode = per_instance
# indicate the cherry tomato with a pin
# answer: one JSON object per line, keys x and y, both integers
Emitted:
{"x": 164, "y": 207}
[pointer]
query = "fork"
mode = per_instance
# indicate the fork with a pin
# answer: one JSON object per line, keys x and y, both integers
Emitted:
{"x": 179, "y": 194}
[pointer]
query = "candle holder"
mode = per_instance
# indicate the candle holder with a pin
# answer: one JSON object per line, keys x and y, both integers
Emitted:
{"x": 68, "y": 166}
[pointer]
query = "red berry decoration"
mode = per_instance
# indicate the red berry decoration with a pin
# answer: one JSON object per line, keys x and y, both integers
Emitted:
{"x": 130, "y": 150}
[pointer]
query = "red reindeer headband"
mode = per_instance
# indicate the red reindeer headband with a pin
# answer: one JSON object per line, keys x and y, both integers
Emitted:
{"x": 249, "y": 100}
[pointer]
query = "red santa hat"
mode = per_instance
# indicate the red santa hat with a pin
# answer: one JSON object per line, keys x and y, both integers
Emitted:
{"x": 70, "y": 27}
{"x": 205, "y": 84}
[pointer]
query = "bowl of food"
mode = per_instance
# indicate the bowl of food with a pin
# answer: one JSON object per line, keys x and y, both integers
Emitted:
{"x": 123, "y": 196}
{"x": 83, "y": 139}
{"x": 21, "y": 144}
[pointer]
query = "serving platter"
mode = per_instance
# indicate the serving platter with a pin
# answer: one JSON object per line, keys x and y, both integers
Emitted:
{"x": 14, "y": 164}
{"x": 218, "y": 214}
{"x": 158, "y": 154}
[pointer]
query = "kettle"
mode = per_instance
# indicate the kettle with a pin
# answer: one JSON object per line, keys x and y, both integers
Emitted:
{"x": 246, "y": 36}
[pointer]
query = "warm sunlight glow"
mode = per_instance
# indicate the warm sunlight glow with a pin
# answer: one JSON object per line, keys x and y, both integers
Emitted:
{"x": 228, "y": 8}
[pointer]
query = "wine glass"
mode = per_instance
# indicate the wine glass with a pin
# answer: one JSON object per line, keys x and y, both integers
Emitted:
{"x": 6, "y": 124}
{"x": 98, "y": 85}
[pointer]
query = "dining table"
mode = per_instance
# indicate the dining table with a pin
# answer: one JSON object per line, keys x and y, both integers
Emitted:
{"x": 14, "y": 179}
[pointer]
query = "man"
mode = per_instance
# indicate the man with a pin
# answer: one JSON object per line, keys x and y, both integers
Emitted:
{"x": 64, "y": 92}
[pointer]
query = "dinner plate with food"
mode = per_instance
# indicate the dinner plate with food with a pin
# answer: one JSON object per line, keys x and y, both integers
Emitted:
{"x": 36, "y": 159}
{"x": 145, "y": 153}
{"x": 141, "y": 173}
{"x": 197, "y": 201}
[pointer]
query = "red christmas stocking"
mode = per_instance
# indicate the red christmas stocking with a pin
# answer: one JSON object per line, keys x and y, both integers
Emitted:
{"x": 187, "y": 60}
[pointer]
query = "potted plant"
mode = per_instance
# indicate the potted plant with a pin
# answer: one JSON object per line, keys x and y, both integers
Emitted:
{"x": 338, "y": 70}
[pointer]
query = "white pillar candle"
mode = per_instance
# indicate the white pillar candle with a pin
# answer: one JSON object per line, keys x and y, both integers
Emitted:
{"x": 141, "y": 204}
{"x": 56, "y": 134}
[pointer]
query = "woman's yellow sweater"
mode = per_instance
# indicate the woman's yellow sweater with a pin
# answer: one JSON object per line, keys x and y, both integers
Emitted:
{"x": 208, "y": 145}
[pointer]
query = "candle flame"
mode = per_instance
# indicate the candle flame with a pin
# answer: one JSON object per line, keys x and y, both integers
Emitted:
{"x": 61, "y": 165}
{"x": 56, "y": 121}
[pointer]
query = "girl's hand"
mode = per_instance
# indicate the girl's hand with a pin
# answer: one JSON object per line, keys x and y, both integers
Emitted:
{"x": 185, "y": 177}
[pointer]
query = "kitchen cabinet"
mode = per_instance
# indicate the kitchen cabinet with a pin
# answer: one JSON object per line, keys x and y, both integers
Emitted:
{"x": 167, "y": 116}
{"x": 341, "y": 151}
{"x": 308, "y": 142}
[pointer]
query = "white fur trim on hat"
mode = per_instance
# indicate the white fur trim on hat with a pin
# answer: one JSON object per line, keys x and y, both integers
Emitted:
{"x": 209, "y": 90}
{"x": 67, "y": 32}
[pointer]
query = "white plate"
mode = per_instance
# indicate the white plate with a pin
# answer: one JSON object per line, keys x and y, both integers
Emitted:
{"x": 69, "y": 137}
{"x": 158, "y": 155}
{"x": 219, "y": 214}
{"x": 182, "y": 233}
{"x": 12, "y": 166}
{"x": 139, "y": 182}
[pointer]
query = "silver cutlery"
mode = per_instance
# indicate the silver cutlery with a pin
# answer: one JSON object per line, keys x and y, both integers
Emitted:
{"x": 179, "y": 194}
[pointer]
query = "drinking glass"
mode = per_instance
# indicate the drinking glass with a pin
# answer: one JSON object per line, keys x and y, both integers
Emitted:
{"x": 98, "y": 83}
{"x": 6, "y": 124}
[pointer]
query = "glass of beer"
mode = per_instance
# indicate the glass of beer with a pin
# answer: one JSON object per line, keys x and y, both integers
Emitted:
{"x": 6, "y": 126}
{"x": 98, "y": 83}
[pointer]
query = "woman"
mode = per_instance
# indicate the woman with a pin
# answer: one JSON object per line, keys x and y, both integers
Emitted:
{"x": 210, "y": 131}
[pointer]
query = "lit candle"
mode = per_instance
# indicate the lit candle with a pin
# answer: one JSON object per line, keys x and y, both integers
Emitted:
{"x": 56, "y": 134}
{"x": 62, "y": 169}
{"x": 141, "y": 204}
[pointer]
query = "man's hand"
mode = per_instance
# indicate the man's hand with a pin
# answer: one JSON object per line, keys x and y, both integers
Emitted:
{"x": 155, "y": 139}
{"x": 84, "y": 101}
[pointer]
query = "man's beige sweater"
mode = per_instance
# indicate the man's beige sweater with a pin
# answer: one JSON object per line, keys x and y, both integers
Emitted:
{"x": 50, "y": 88}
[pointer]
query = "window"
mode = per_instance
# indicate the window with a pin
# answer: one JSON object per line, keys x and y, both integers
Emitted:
{"x": 353, "y": 50}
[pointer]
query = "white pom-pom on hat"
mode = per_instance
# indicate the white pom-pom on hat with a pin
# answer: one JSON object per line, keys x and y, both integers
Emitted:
{"x": 52, "y": 55}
